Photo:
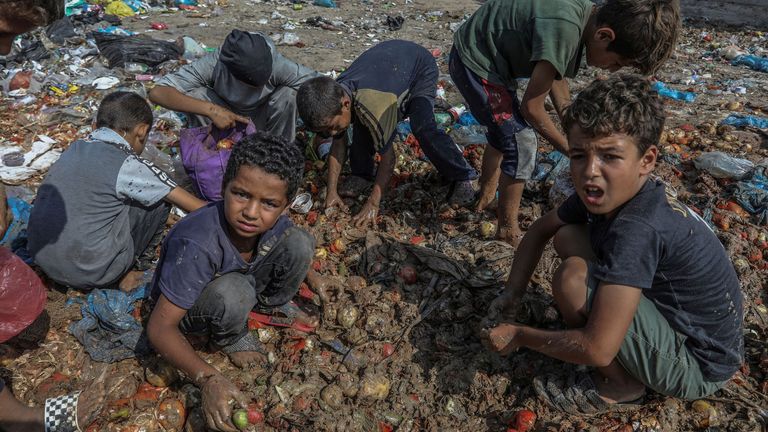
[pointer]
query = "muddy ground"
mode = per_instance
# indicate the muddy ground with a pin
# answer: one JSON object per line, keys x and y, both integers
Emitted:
{"x": 416, "y": 363}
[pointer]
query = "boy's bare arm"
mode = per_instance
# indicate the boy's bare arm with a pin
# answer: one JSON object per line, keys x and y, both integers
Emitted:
{"x": 336, "y": 159}
{"x": 184, "y": 200}
{"x": 526, "y": 259}
{"x": 533, "y": 109}
{"x": 217, "y": 391}
{"x": 560, "y": 95}
{"x": 164, "y": 335}
{"x": 175, "y": 100}
{"x": 596, "y": 344}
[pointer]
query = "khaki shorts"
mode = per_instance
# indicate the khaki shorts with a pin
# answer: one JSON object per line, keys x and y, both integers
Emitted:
{"x": 656, "y": 355}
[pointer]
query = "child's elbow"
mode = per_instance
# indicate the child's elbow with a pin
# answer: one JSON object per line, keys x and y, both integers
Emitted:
{"x": 600, "y": 356}
{"x": 601, "y": 361}
{"x": 530, "y": 108}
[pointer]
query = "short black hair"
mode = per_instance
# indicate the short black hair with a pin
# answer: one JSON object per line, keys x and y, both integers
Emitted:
{"x": 122, "y": 111}
{"x": 273, "y": 154}
{"x": 622, "y": 103}
{"x": 318, "y": 101}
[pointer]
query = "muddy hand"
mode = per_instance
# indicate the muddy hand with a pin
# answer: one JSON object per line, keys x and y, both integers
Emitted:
{"x": 217, "y": 392}
{"x": 366, "y": 216}
{"x": 224, "y": 118}
{"x": 503, "y": 306}
{"x": 91, "y": 401}
{"x": 501, "y": 338}
{"x": 333, "y": 199}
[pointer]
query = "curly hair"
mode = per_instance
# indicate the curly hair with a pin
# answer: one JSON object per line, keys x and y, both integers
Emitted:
{"x": 271, "y": 153}
{"x": 318, "y": 101}
{"x": 35, "y": 12}
{"x": 122, "y": 111}
{"x": 646, "y": 30}
{"x": 622, "y": 103}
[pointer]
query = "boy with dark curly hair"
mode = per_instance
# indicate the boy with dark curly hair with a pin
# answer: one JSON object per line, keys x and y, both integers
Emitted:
{"x": 220, "y": 262}
{"x": 645, "y": 288}
{"x": 505, "y": 40}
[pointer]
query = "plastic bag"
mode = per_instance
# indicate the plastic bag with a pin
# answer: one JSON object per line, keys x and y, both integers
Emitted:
{"x": 120, "y": 9}
{"x": 108, "y": 330}
{"x": 721, "y": 165}
{"x": 158, "y": 158}
{"x": 119, "y": 50}
{"x": 752, "y": 194}
{"x": 562, "y": 188}
{"x": 204, "y": 154}
{"x": 22, "y": 295}
{"x": 61, "y": 30}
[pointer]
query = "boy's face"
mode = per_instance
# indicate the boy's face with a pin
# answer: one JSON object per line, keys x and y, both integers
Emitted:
{"x": 598, "y": 54}
{"x": 338, "y": 123}
{"x": 607, "y": 171}
{"x": 10, "y": 27}
{"x": 253, "y": 201}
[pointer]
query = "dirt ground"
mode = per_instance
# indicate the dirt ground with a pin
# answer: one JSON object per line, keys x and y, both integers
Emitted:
{"x": 410, "y": 295}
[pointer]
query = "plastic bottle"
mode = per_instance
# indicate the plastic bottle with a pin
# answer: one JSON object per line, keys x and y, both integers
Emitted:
{"x": 467, "y": 119}
{"x": 721, "y": 165}
{"x": 754, "y": 62}
{"x": 457, "y": 111}
{"x": 667, "y": 92}
{"x": 741, "y": 120}
{"x": 404, "y": 129}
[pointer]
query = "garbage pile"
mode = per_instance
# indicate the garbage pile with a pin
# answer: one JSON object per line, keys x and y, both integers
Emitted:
{"x": 396, "y": 345}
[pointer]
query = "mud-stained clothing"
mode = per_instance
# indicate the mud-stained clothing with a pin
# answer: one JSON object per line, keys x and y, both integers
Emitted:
{"x": 657, "y": 244}
{"x": 272, "y": 107}
{"x": 200, "y": 270}
{"x": 387, "y": 83}
{"x": 198, "y": 250}
{"x": 97, "y": 211}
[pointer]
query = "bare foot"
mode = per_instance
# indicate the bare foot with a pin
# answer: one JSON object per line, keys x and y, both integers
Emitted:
{"x": 132, "y": 280}
{"x": 247, "y": 359}
{"x": 511, "y": 235}
{"x": 617, "y": 391}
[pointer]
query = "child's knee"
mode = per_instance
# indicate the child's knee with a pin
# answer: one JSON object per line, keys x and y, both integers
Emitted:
{"x": 300, "y": 247}
{"x": 233, "y": 293}
{"x": 570, "y": 276}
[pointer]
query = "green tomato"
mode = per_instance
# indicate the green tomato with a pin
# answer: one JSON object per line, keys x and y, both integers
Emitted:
{"x": 240, "y": 419}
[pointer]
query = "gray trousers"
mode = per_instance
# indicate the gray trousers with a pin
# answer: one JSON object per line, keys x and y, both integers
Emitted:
{"x": 276, "y": 114}
{"x": 221, "y": 311}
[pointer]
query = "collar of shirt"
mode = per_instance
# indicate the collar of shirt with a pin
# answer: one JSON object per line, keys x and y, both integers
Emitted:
{"x": 110, "y": 136}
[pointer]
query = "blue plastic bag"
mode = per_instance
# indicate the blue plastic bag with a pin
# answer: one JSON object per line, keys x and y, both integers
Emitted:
{"x": 325, "y": 3}
{"x": 108, "y": 330}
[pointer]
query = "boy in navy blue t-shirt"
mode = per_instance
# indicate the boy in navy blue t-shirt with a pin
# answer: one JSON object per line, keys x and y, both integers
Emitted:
{"x": 645, "y": 288}
{"x": 220, "y": 262}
